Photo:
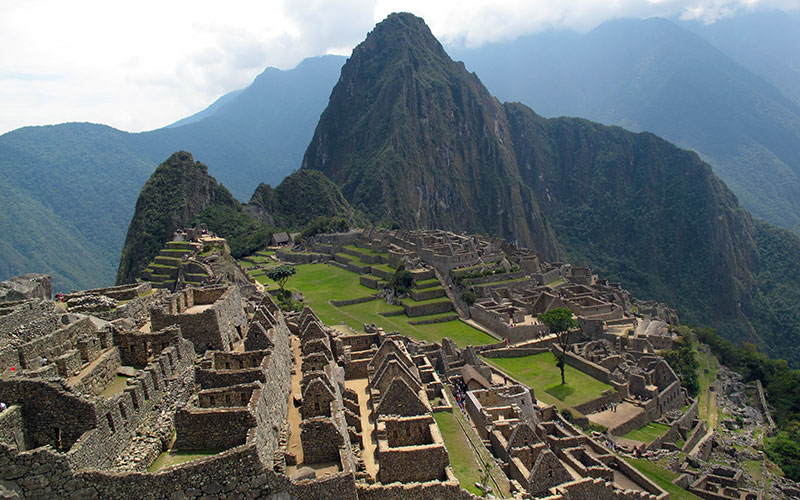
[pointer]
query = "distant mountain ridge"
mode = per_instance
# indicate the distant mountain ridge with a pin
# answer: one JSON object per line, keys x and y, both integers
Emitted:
{"x": 653, "y": 75}
{"x": 67, "y": 192}
{"x": 411, "y": 136}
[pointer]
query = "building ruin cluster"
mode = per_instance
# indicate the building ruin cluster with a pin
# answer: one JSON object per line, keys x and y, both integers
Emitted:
{"x": 279, "y": 405}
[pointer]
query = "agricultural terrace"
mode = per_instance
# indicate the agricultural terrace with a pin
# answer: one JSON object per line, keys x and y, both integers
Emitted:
{"x": 320, "y": 283}
{"x": 648, "y": 433}
{"x": 540, "y": 372}
{"x": 663, "y": 478}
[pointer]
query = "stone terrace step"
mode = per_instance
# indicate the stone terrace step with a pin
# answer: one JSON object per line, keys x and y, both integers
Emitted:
{"x": 168, "y": 261}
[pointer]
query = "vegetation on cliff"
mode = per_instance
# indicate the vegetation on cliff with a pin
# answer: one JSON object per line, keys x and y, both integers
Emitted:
{"x": 780, "y": 383}
{"x": 411, "y": 137}
{"x": 181, "y": 193}
{"x": 179, "y": 189}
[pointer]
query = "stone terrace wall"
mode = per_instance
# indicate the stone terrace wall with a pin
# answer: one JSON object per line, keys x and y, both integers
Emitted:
{"x": 11, "y": 427}
{"x": 51, "y": 410}
{"x": 122, "y": 292}
{"x": 595, "y": 404}
{"x": 36, "y": 317}
{"x": 587, "y": 367}
{"x": 103, "y": 371}
{"x": 431, "y": 490}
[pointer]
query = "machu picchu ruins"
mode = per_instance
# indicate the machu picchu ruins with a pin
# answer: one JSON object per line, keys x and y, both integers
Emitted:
{"x": 211, "y": 390}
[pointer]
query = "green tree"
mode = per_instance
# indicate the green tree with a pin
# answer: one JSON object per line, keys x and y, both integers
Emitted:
{"x": 281, "y": 274}
{"x": 560, "y": 322}
{"x": 401, "y": 280}
{"x": 469, "y": 297}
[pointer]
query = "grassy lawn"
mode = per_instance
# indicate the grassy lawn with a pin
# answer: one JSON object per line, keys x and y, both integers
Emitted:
{"x": 411, "y": 302}
{"x": 663, "y": 478}
{"x": 648, "y": 433}
{"x": 462, "y": 459}
{"x": 178, "y": 457}
{"x": 540, "y": 372}
{"x": 320, "y": 283}
{"x": 706, "y": 361}
{"x": 115, "y": 387}
{"x": 365, "y": 251}
{"x": 753, "y": 467}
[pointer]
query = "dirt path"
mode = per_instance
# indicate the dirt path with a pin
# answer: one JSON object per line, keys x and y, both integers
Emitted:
{"x": 295, "y": 446}
{"x": 367, "y": 425}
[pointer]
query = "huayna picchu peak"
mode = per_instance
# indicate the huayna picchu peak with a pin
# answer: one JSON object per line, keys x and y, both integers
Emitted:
{"x": 411, "y": 137}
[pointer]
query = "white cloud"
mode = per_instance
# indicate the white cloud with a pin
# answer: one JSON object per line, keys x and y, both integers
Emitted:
{"x": 141, "y": 65}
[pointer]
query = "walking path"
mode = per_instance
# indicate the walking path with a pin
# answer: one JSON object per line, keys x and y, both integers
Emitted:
{"x": 367, "y": 425}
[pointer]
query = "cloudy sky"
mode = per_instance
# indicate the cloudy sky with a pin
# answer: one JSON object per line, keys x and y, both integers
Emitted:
{"x": 142, "y": 65}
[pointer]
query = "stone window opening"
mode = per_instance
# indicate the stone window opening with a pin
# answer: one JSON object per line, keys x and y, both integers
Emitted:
{"x": 122, "y": 411}
{"x": 110, "y": 422}
{"x": 59, "y": 444}
{"x": 134, "y": 400}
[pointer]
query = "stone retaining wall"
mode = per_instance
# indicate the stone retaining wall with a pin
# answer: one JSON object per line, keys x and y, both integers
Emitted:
{"x": 350, "y": 302}
{"x": 428, "y": 309}
{"x": 514, "y": 352}
{"x": 101, "y": 374}
{"x": 595, "y": 404}
{"x": 427, "y": 293}
{"x": 443, "y": 319}
{"x": 587, "y": 367}
{"x": 695, "y": 436}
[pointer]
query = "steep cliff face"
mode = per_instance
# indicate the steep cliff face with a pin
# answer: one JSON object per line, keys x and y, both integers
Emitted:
{"x": 178, "y": 190}
{"x": 410, "y": 136}
{"x": 644, "y": 211}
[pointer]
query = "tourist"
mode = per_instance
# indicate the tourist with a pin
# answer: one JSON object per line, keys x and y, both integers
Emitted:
{"x": 44, "y": 361}
{"x": 3, "y": 406}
